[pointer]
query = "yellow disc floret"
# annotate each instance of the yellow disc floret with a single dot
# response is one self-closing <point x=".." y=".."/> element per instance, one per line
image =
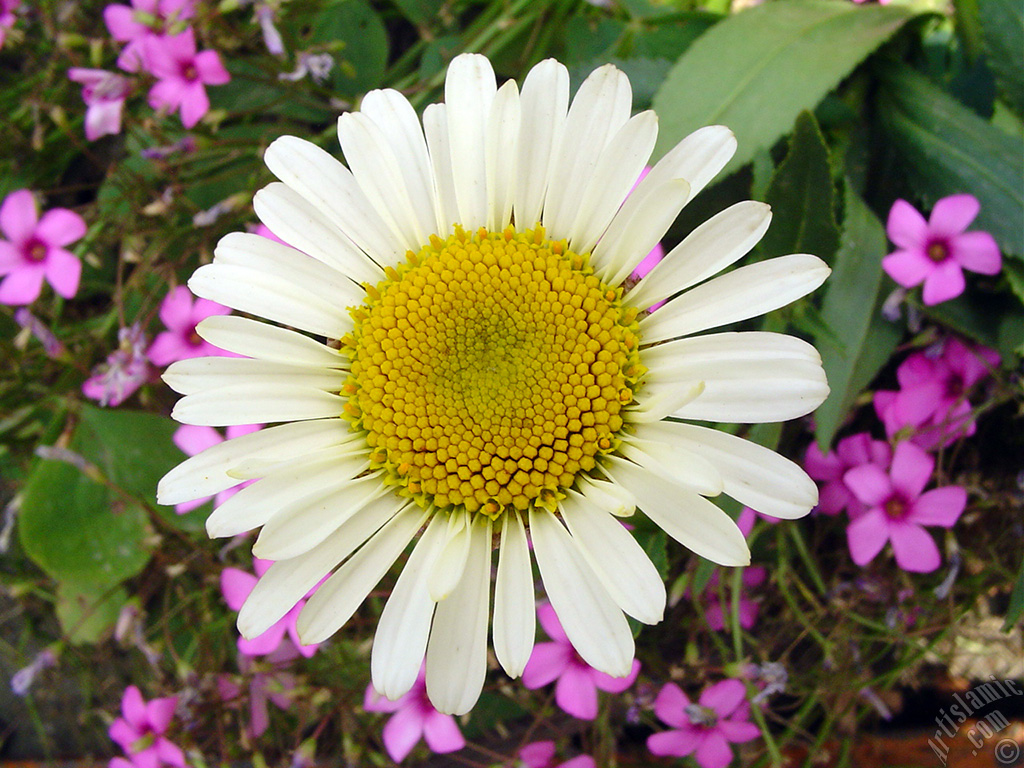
<point x="490" y="369"/>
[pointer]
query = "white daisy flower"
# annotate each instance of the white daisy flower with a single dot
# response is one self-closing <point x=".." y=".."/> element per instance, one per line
<point x="489" y="379"/>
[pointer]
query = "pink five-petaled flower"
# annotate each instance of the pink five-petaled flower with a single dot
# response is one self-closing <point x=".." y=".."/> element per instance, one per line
<point x="104" y="94"/>
<point x="143" y="20"/>
<point x="181" y="316"/>
<point x="34" y="249"/>
<point x="275" y="686"/>
<point x="193" y="439"/>
<point x="576" y="690"/>
<point x="541" y="754"/>
<point x="937" y="251"/>
<point x="932" y="400"/>
<point x="897" y="510"/>
<point x="830" y="468"/>
<point x="414" y="718"/>
<point x="182" y="75"/>
<point x="140" y="732"/>
<point x="706" y="728"/>
<point x="235" y="585"/>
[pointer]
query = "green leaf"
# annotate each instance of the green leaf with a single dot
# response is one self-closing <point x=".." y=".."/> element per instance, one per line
<point x="851" y="308"/>
<point x="355" y="35"/>
<point x="589" y="38"/>
<point x="990" y="319"/>
<point x="947" y="149"/>
<point x="1016" y="606"/>
<point x="1002" y="26"/>
<point x="87" y="613"/>
<point x="77" y="531"/>
<point x="757" y="70"/>
<point x="802" y="197"/>
<point x="655" y="544"/>
<point x="422" y="13"/>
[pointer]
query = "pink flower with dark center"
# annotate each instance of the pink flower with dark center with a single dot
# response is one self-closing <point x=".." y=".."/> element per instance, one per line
<point x="578" y="682"/>
<point x="34" y="249"/>
<point x="143" y="20"/>
<point x="932" y="400"/>
<point x="193" y="439"/>
<point x="235" y="585"/>
<point x="140" y="732"/>
<point x="705" y="729"/>
<point x="414" y="718"/>
<point x="275" y="686"/>
<point x="181" y="315"/>
<point x="182" y="75"/>
<point x="104" y="94"/>
<point x="125" y="370"/>
<point x="541" y="754"/>
<point x="829" y="468"/>
<point x="898" y="510"/>
<point x="935" y="252"/>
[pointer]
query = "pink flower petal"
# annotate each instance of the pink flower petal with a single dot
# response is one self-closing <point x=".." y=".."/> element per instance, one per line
<point x="442" y="733"/>
<point x="669" y="706"/>
<point x="942" y="506"/>
<point x="869" y="483"/>
<point x="168" y="347"/>
<point x="264" y="644"/>
<point x="906" y="227"/>
<point x="210" y="69"/>
<point x="911" y="469"/>
<point x="103" y="118"/>
<point x="714" y="751"/>
<point x="170" y="753"/>
<point x="615" y="684"/>
<point x="204" y="308"/>
<point x="133" y="708"/>
<point x="235" y="585"/>
<point x="194" y="104"/>
<point x="63" y="272"/>
<point x="549" y="621"/>
<point x="18" y="215"/>
<point x="724" y="697"/>
<point x="547" y="662"/>
<point x="176" y="309"/>
<point x="822" y="466"/>
<point x="538" y="754"/>
<point x="738" y="731"/>
<point x="952" y="215"/>
<point x="160" y="712"/>
<point x="908" y="268"/>
<point x="581" y="761"/>
<point x="402" y="732"/>
<point x="167" y="94"/>
<point x="10" y="257"/>
<point x="121" y="22"/>
<point x="60" y="227"/>
<point x="193" y="439"/>
<point x="833" y="498"/>
<point x="914" y="405"/>
<point x="944" y="283"/>
<point x="867" y="535"/>
<point x="22" y="286"/>
<point x="914" y="548"/>
<point x="123" y="734"/>
<point x="576" y="693"/>
<point x="673" y="743"/>
<point x="374" y="702"/>
<point x="977" y="251"/>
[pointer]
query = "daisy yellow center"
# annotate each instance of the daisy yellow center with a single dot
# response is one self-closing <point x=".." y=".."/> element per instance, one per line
<point x="489" y="370"/>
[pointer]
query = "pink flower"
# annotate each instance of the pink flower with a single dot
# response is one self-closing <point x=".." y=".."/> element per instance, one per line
<point x="414" y="718"/>
<point x="181" y="316"/>
<point x="125" y="370"/>
<point x="937" y="251"/>
<point x="182" y="75"/>
<point x="235" y="585"/>
<point x="541" y="754"/>
<point x="275" y="687"/>
<point x="104" y="94"/>
<point x="829" y="469"/>
<point x="7" y="17"/>
<point x="897" y="510"/>
<point x="34" y="249"/>
<point x="716" y="611"/>
<point x="140" y="732"/>
<point x="192" y="439"/>
<point x="143" y="20"/>
<point x="932" y="400"/>
<point x="704" y="729"/>
<point x="576" y="690"/>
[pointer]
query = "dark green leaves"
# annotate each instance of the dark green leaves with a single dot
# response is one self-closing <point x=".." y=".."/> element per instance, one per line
<point x="757" y="70"/>
<point x="1002" y="26"/>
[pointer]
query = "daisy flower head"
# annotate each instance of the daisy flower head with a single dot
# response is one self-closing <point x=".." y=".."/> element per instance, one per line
<point x="489" y="378"/>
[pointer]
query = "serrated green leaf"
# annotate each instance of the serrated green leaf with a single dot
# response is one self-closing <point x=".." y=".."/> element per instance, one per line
<point x="757" y="70"/>
<point x="850" y="306"/>
<point x="88" y="613"/>
<point x="1002" y="26"/>
<point x="947" y="150"/>
<point x="802" y="197"/>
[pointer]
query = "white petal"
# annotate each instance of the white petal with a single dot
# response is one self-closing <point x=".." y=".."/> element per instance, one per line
<point x="688" y="518"/>
<point x="469" y="90"/>
<point x="503" y="128"/>
<point x="545" y="99"/>
<point x="195" y="374"/>
<point x="292" y="484"/>
<point x="607" y="496"/>
<point x="206" y="473"/>
<point x="697" y="158"/>
<point x="619" y="561"/>
<point x="600" y="108"/>
<point x="655" y="406"/>
<point x="618" y="168"/>
<point x="738" y="295"/>
<point x="515" y="612"/>
<point x="435" y="128"/>
<point x="716" y="244"/>
<point x="263" y="341"/>
<point x="338" y="598"/>
<point x="299" y="526"/>
<point x="457" y="648"/>
<point x="256" y="404"/>
<point x="287" y="581"/>
<point x="691" y="357"/>
<point x="451" y="562"/>
<point x="752" y="474"/>
<point x="330" y="186"/>
<point x="401" y="638"/>
<point x="301" y="224"/>
<point x="687" y="468"/>
<point x="594" y="624"/>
